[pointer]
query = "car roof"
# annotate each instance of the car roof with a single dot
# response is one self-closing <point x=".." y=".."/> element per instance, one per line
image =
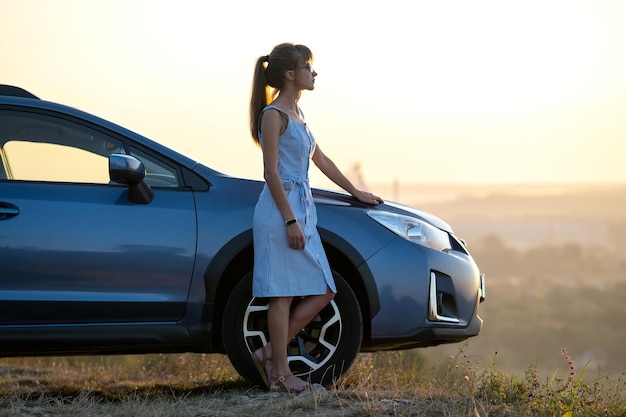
<point x="18" y="96"/>
<point x="10" y="90"/>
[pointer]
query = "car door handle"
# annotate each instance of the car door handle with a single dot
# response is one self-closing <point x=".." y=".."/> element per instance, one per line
<point x="8" y="210"/>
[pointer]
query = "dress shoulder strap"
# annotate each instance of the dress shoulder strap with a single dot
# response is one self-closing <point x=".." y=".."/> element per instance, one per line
<point x="284" y="116"/>
<point x="271" y="106"/>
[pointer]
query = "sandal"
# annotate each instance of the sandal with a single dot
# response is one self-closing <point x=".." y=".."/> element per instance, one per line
<point x="261" y="365"/>
<point x="278" y="383"/>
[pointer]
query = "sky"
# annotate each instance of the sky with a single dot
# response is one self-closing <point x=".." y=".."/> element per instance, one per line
<point x="408" y="91"/>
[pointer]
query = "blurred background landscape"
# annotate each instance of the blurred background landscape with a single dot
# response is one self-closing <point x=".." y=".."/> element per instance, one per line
<point x="554" y="256"/>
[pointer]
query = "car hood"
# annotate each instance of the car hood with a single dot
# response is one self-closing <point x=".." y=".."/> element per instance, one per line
<point x="344" y="199"/>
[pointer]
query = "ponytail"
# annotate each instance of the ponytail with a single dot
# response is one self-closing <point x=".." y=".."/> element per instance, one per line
<point x="258" y="97"/>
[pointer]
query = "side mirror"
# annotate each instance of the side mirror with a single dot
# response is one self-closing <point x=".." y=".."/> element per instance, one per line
<point x="128" y="170"/>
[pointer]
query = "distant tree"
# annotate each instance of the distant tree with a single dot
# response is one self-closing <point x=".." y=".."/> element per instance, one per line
<point x="495" y="257"/>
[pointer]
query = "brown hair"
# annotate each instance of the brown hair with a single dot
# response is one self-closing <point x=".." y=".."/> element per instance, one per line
<point x="284" y="57"/>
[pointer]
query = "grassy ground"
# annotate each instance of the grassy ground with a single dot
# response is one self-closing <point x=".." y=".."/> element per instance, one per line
<point x="394" y="384"/>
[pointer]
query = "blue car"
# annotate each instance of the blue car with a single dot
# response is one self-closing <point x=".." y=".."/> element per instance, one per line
<point x="111" y="243"/>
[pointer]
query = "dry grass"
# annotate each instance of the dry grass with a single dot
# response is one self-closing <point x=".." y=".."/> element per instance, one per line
<point x="393" y="384"/>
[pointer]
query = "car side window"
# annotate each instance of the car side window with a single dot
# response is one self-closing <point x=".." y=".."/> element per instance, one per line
<point x="37" y="147"/>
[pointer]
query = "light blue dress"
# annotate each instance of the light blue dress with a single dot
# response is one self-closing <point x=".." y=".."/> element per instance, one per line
<point x="278" y="269"/>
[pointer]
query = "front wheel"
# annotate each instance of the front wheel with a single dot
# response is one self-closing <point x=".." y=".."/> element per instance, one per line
<point x="320" y="353"/>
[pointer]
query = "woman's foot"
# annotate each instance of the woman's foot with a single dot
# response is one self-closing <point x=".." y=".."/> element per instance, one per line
<point x="263" y="362"/>
<point x="289" y="383"/>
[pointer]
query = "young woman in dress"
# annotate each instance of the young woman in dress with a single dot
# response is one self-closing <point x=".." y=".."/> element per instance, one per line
<point x="289" y="260"/>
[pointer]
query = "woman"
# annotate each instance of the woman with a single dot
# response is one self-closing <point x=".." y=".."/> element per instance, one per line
<point x="289" y="260"/>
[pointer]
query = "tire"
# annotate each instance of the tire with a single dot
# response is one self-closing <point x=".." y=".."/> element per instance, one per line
<point x="322" y="352"/>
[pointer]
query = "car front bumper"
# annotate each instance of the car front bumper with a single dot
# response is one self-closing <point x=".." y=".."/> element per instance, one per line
<point x="427" y="297"/>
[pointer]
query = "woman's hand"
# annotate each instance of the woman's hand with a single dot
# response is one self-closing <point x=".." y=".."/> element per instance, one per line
<point x="367" y="197"/>
<point x="296" y="236"/>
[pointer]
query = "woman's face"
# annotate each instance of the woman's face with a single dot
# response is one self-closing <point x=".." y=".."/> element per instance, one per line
<point x="305" y="76"/>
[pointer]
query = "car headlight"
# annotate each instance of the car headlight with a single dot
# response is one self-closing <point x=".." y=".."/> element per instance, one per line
<point x="412" y="229"/>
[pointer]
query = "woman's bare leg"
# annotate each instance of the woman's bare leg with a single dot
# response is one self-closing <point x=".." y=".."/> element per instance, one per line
<point x="306" y="310"/>
<point x="278" y="326"/>
<point x="283" y="325"/>
<point x="302" y="315"/>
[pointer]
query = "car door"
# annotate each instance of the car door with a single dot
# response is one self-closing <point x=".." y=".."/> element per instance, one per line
<point x="73" y="248"/>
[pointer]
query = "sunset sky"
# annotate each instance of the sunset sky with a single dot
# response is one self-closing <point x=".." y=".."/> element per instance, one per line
<point x="414" y="91"/>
